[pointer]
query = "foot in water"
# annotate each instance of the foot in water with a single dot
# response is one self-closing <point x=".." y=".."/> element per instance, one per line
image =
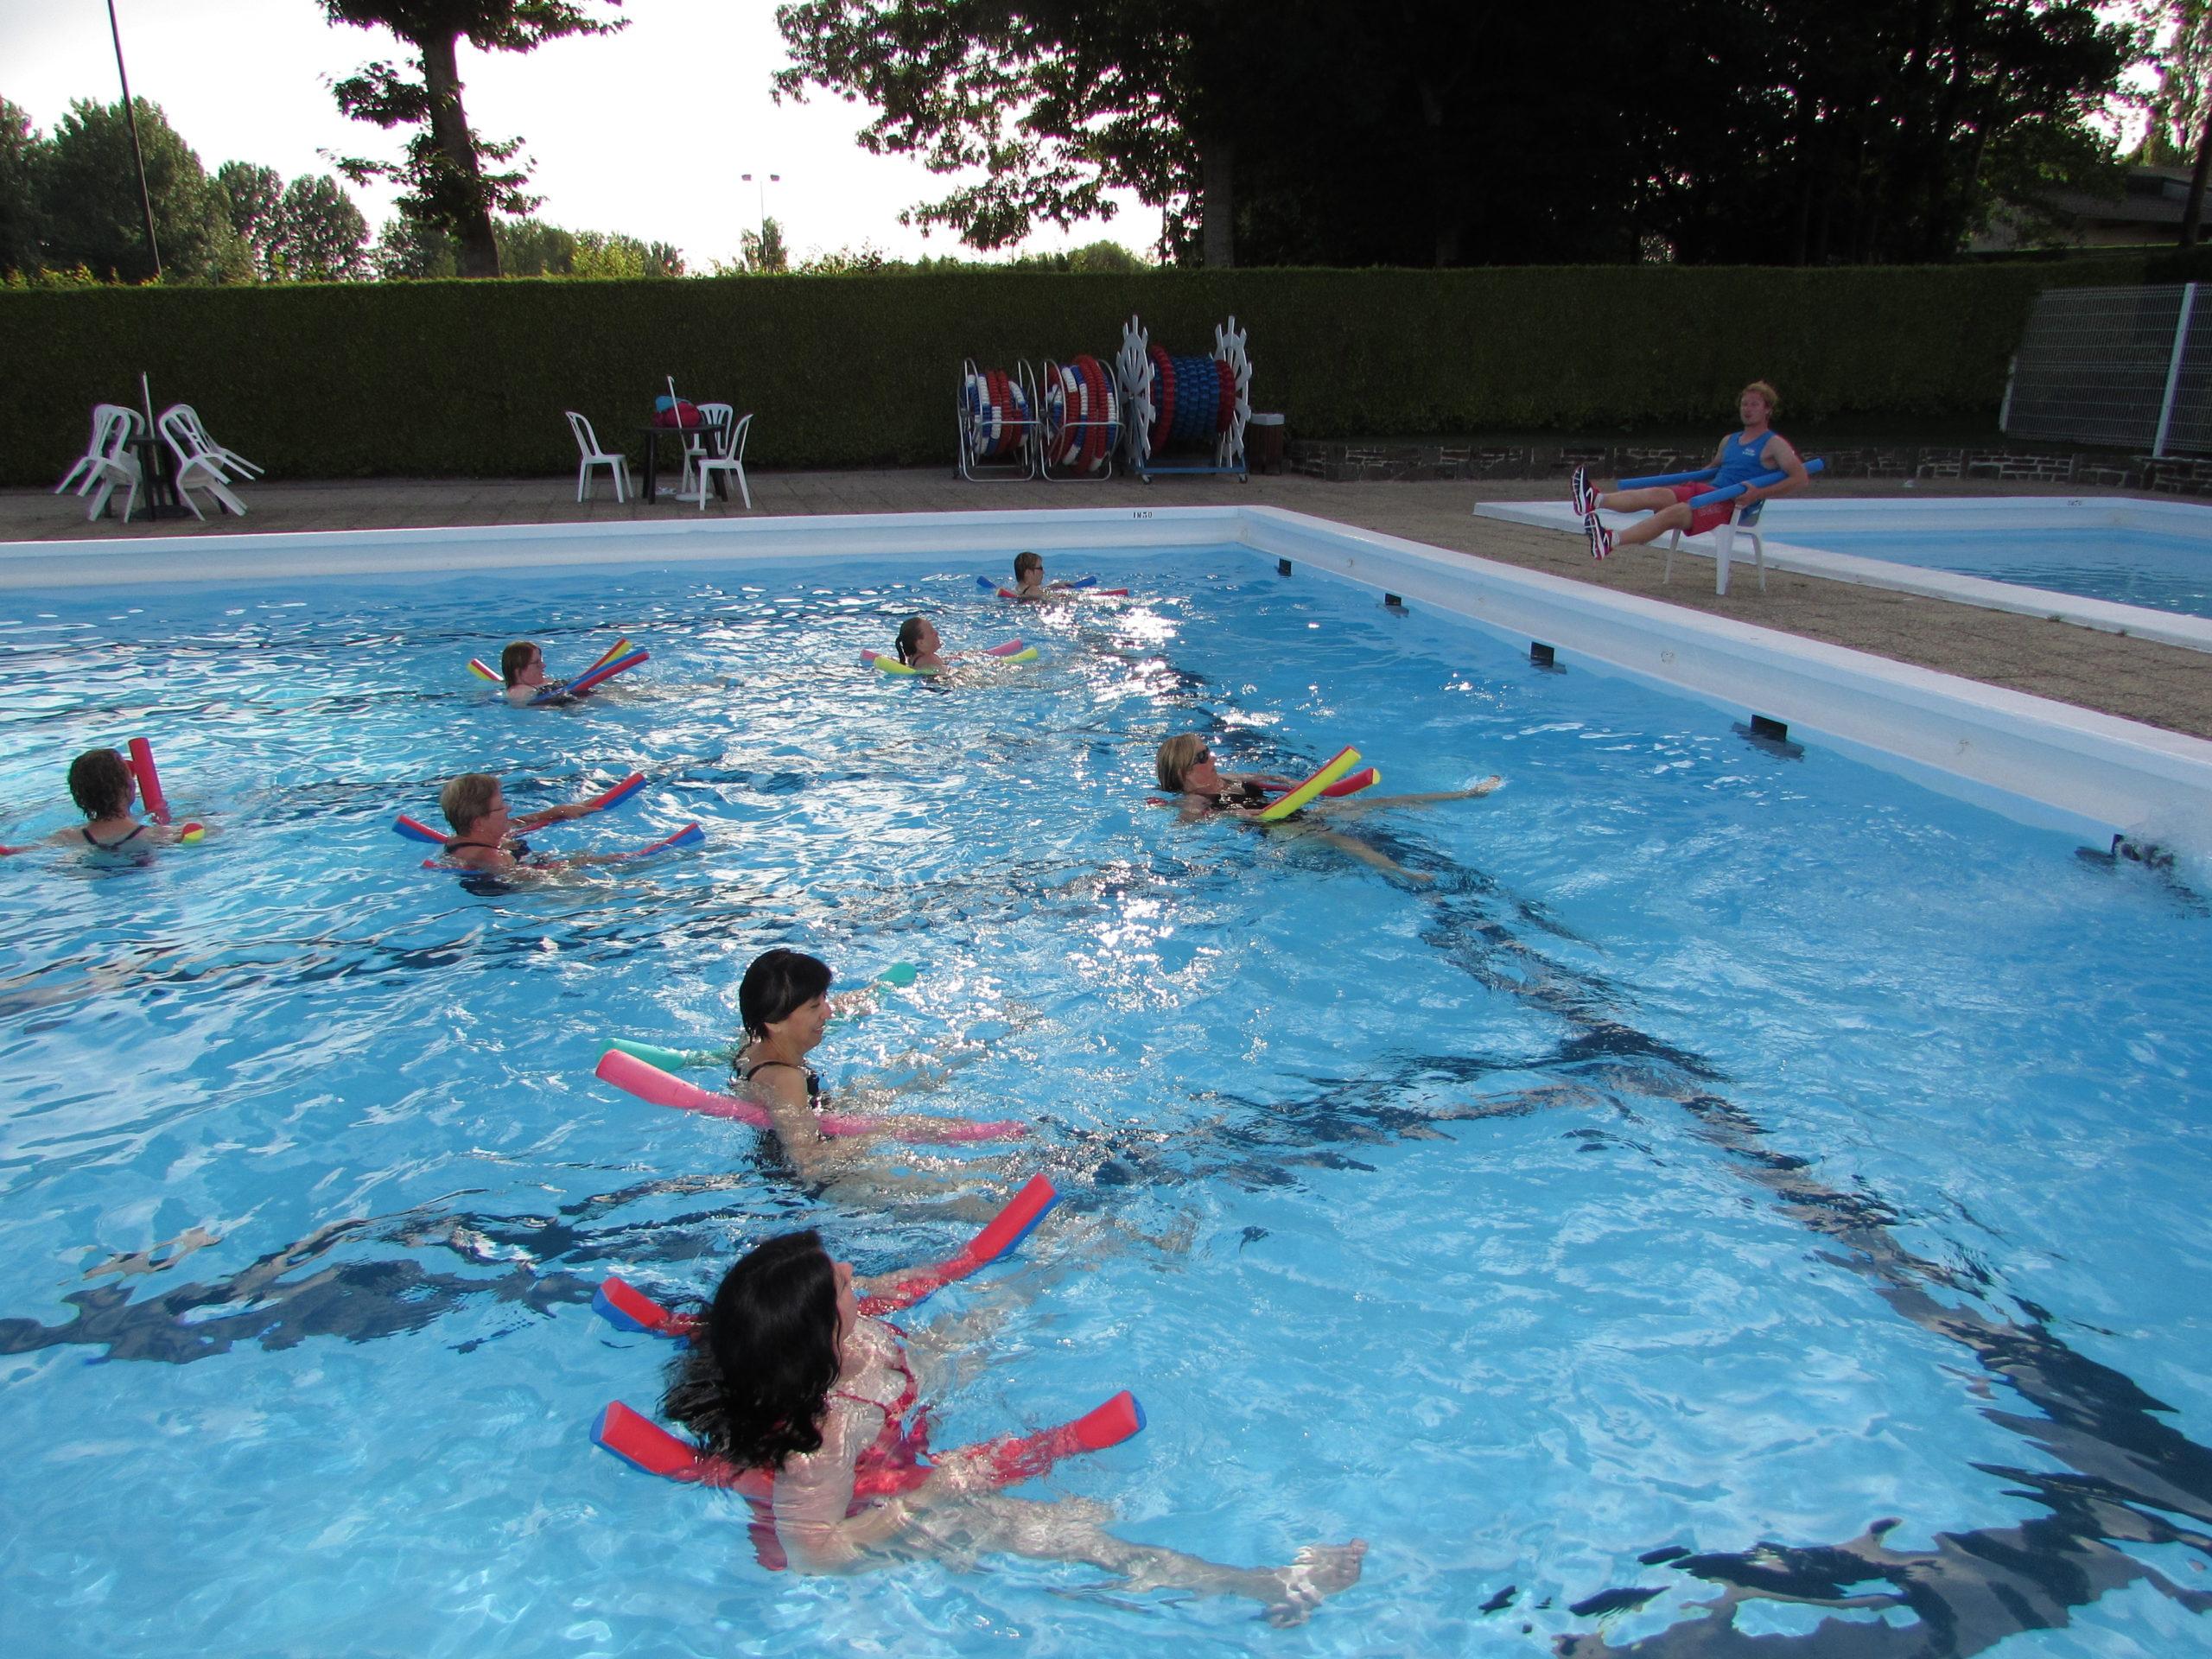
<point x="1318" y="1572"/>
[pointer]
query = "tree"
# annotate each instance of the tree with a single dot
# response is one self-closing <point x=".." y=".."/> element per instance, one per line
<point x="254" y="197"/>
<point x="91" y="207"/>
<point x="603" y="253"/>
<point x="1056" y="101"/>
<point x="1437" y="132"/>
<point x="2179" y="105"/>
<point x="530" y="247"/>
<point x="307" y="231"/>
<point x="409" y="251"/>
<point x="447" y="183"/>
<point x="2180" y="127"/>
<point x="324" y="237"/>
<point x="22" y="219"/>
<point x="763" y="250"/>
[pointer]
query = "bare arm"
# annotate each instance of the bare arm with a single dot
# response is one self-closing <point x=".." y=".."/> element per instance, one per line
<point x="1779" y="456"/>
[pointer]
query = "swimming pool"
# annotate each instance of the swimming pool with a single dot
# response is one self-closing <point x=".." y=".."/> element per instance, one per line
<point x="2113" y="563"/>
<point x="1724" y="1147"/>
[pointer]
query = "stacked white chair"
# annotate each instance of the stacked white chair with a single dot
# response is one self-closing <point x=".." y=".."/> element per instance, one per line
<point x="731" y="460"/>
<point x="115" y="464"/>
<point x="105" y="418"/>
<point x="198" y="466"/>
<point x="587" y="441"/>
<point x="228" y="458"/>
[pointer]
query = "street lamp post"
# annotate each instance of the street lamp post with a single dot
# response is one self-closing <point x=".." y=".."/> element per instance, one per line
<point x="130" y="114"/>
<point x="760" y="189"/>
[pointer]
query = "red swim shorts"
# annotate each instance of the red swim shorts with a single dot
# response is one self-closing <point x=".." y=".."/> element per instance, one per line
<point x="1704" y="518"/>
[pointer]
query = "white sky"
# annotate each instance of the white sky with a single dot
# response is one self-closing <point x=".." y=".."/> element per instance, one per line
<point x="243" y="81"/>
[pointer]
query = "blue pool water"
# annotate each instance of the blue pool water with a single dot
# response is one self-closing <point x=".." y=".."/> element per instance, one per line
<point x="1727" y="1149"/>
<point x="2163" y="570"/>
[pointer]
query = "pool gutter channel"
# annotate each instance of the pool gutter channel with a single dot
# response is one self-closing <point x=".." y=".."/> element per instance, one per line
<point x="2028" y="758"/>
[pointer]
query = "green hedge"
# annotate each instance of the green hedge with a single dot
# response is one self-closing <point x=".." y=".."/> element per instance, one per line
<point x="470" y="379"/>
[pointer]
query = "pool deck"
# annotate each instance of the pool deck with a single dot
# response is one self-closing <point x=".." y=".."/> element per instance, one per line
<point x="2161" y="685"/>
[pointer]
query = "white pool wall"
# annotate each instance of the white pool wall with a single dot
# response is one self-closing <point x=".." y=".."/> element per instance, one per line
<point x="2039" y="761"/>
<point x="1909" y="517"/>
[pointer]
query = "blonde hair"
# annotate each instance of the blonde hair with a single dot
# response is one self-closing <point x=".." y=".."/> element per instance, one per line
<point x="1765" y="389"/>
<point x="1176" y="758"/>
<point x="467" y="798"/>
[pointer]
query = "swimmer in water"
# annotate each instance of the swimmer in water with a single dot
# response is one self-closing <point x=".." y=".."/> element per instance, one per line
<point x="487" y="840"/>
<point x="1029" y="581"/>
<point x="522" y="666"/>
<point x="919" y="646"/>
<point x="105" y="790"/>
<point x="784" y="1001"/>
<point x="1185" y="767"/>
<point x="921" y="650"/>
<point x="788" y="1377"/>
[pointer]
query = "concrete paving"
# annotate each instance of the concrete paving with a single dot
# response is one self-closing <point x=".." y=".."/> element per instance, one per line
<point x="2159" y="684"/>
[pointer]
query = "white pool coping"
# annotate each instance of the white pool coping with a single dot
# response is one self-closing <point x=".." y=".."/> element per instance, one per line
<point x="2046" y="763"/>
<point x="1994" y="513"/>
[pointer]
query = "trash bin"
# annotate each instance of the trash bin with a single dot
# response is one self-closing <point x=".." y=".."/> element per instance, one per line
<point x="1263" y="443"/>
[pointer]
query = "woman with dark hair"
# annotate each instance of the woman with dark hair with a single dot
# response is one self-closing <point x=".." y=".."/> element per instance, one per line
<point x="785" y="1004"/>
<point x="105" y="789"/>
<point x="522" y="671"/>
<point x="919" y="647"/>
<point x="921" y="650"/>
<point x="788" y="1377"/>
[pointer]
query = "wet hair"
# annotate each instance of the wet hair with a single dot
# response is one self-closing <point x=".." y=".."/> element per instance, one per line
<point x="1176" y="758"/>
<point x="754" y="1385"/>
<point x="515" y="659"/>
<point x="1765" y="389"/>
<point x="777" y="983"/>
<point x="1023" y="564"/>
<point x="910" y="632"/>
<point x="99" y="781"/>
<point x="467" y="798"/>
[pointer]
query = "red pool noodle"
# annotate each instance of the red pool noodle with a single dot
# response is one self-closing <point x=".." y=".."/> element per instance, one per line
<point x="149" y="780"/>
<point x="656" y="1087"/>
<point x="637" y="1439"/>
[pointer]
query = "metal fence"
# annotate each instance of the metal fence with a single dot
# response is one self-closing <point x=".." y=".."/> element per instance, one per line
<point x="2129" y="367"/>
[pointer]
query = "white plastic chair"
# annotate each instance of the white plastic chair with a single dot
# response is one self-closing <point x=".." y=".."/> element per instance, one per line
<point x="732" y="461"/>
<point x="197" y="467"/>
<point x="225" y="457"/>
<point x="587" y="443"/>
<point x="711" y="435"/>
<point x="105" y="417"/>
<point x="114" y="465"/>
<point x="1745" y="519"/>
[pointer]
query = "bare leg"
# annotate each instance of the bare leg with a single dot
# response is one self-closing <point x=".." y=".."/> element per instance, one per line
<point x="1362" y="803"/>
<point x="1675" y="516"/>
<point x="1372" y="856"/>
<point x="1070" y="1531"/>
<point x="1650" y="500"/>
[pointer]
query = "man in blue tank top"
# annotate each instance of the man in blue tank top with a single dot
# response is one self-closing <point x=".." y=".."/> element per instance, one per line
<point x="1757" y="449"/>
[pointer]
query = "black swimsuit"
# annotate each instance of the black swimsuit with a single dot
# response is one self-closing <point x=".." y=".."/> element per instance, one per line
<point x="136" y="831"/>
<point x="813" y="1083"/>
<point x="515" y="845"/>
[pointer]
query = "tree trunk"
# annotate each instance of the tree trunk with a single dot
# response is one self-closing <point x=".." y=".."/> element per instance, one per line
<point x="461" y="203"/>
<point x="1217" y="203"/>
<point x="2192" y="216"/>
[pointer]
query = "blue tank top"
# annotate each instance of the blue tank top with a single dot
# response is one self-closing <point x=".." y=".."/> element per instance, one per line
<point x="1740" y="461"/>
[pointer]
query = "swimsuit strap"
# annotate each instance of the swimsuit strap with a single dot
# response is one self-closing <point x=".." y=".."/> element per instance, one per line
<point x="136" y="831"/>
<point x="813" y="1083"/>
